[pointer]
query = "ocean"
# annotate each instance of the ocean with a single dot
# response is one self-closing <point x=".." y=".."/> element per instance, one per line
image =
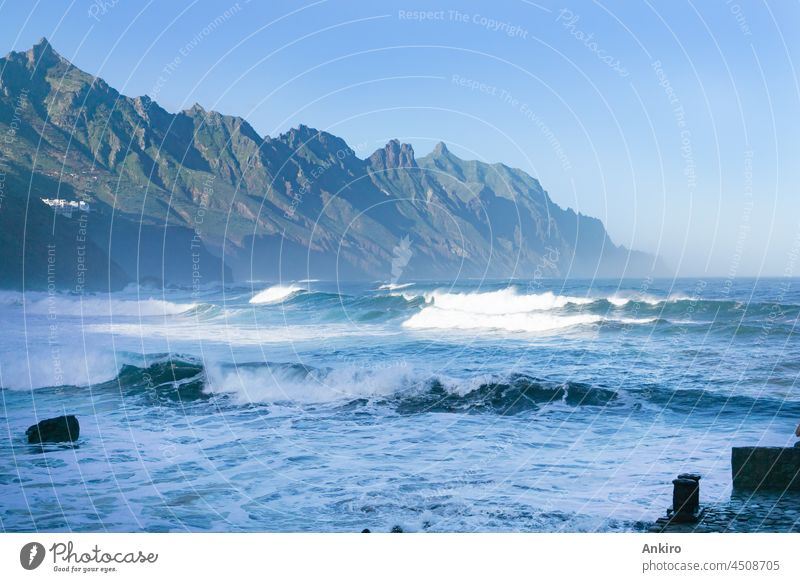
<point x="474" y="406"/>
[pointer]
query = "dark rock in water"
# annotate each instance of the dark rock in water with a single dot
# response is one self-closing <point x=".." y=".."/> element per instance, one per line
<point x="61" y="429"/>
<point x="365" y="530"/>
<point x="168" y="379"/>
<point x="396" y="529"/>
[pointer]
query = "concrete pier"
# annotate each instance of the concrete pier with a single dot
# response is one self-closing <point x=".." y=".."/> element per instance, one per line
<point x="765" y="496"/>
<point x="766" y="468"/>
<point x="743" y="513"/>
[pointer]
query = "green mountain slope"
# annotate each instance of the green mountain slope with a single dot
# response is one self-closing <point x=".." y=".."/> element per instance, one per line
<point x="196" y="196"/>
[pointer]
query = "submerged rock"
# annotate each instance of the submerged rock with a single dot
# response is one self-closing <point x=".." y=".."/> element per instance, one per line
<point x="396" y="529"/>
<point x="61" y="429"/>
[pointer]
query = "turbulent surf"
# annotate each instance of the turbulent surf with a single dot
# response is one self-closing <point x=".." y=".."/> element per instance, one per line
<point x="313" y="405"/>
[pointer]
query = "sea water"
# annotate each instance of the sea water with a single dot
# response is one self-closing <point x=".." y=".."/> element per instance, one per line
<point x="327" y="406"/>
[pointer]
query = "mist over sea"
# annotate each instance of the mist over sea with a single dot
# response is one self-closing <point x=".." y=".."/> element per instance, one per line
<point x="326" y="406"/>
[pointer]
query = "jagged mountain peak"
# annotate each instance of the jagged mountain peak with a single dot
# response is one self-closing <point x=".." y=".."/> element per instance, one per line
<point x="301" y="132"/>
<point x="305" y="183"/>
<point x="323" y="143"/>
<point x="42" y="45"/>
<point x="39" y="57"/>
<point x="144" y="103"/>
<point x="42" y="55"/>
<point x="41" y="49"/>
<point x="440" y="150"/>
<point x="42" y="69"/>
<point x="306" y="133"/>
<point x="394" y="155"/>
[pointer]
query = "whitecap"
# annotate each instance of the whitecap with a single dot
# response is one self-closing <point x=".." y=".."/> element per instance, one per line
<point x="276" y="294"/>
<point x="299" y="384"/>
<point x="93" y="306"/>
<point x="436" y="318"/>
<point x="503" y="301"/>
<point x="394" y="286"/>
<point x="504" y="309"/>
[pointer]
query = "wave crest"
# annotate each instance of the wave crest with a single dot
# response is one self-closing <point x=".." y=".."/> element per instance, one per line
<point x="504" y="309"/>
<point x="513" y="395"/>
<point x="503" y="302"/>
<point x="394" y="286"/>
<point x="98" y="305"/>
<point x="276" y="294"/>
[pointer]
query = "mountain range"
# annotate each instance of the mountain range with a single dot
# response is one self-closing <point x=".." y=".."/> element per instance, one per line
<point x="196" y="196"/>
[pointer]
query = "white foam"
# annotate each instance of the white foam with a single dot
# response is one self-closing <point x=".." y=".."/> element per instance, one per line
<point x="618" y="301"/>
<point x="61" y="365"/>
<point x="394" y="286"/>
<point x="675" y="297"/>
<point x="502" y="302"/>
<point x="633" y="320"/>
<point x="295" y="385"/>
<point x="95" y="305"/>
<point x="622" y="300"/>
<point x="11" y="298"/>
<point x="436" y="318"/>
<point x="504" y="309"/>
<point x="285" y="384"/>
<point x="406" y="296"/>
<point x="193" y="332"/>
<point x="649" y="299"/>
<point x="276" y="294"/>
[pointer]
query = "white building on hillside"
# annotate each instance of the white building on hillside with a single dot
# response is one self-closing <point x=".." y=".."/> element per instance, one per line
<point x="66" y="207"/>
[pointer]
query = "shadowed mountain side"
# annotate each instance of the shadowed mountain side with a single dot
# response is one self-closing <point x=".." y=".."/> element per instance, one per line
<point x="174" y="196"/>
<point x="41" y="249"/>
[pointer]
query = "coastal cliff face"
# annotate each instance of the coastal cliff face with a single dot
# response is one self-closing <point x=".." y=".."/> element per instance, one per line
<point x="197" y="196"/>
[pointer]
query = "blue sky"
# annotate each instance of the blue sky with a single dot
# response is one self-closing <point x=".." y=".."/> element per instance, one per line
<point x="676" y="123"/>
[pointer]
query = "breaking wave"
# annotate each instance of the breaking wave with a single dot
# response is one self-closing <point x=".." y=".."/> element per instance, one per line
<point x="507" y="310"/>
<point x="409" y="391"/>
<point x="276" y="294"/>
<point x="503" y="302"/>
<point x="59" y="304"/>
<point x="394" y="286"/>
<point x="44" y="366"/>
<point x="436" y="318"/>
<point x="184" y="379"/>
